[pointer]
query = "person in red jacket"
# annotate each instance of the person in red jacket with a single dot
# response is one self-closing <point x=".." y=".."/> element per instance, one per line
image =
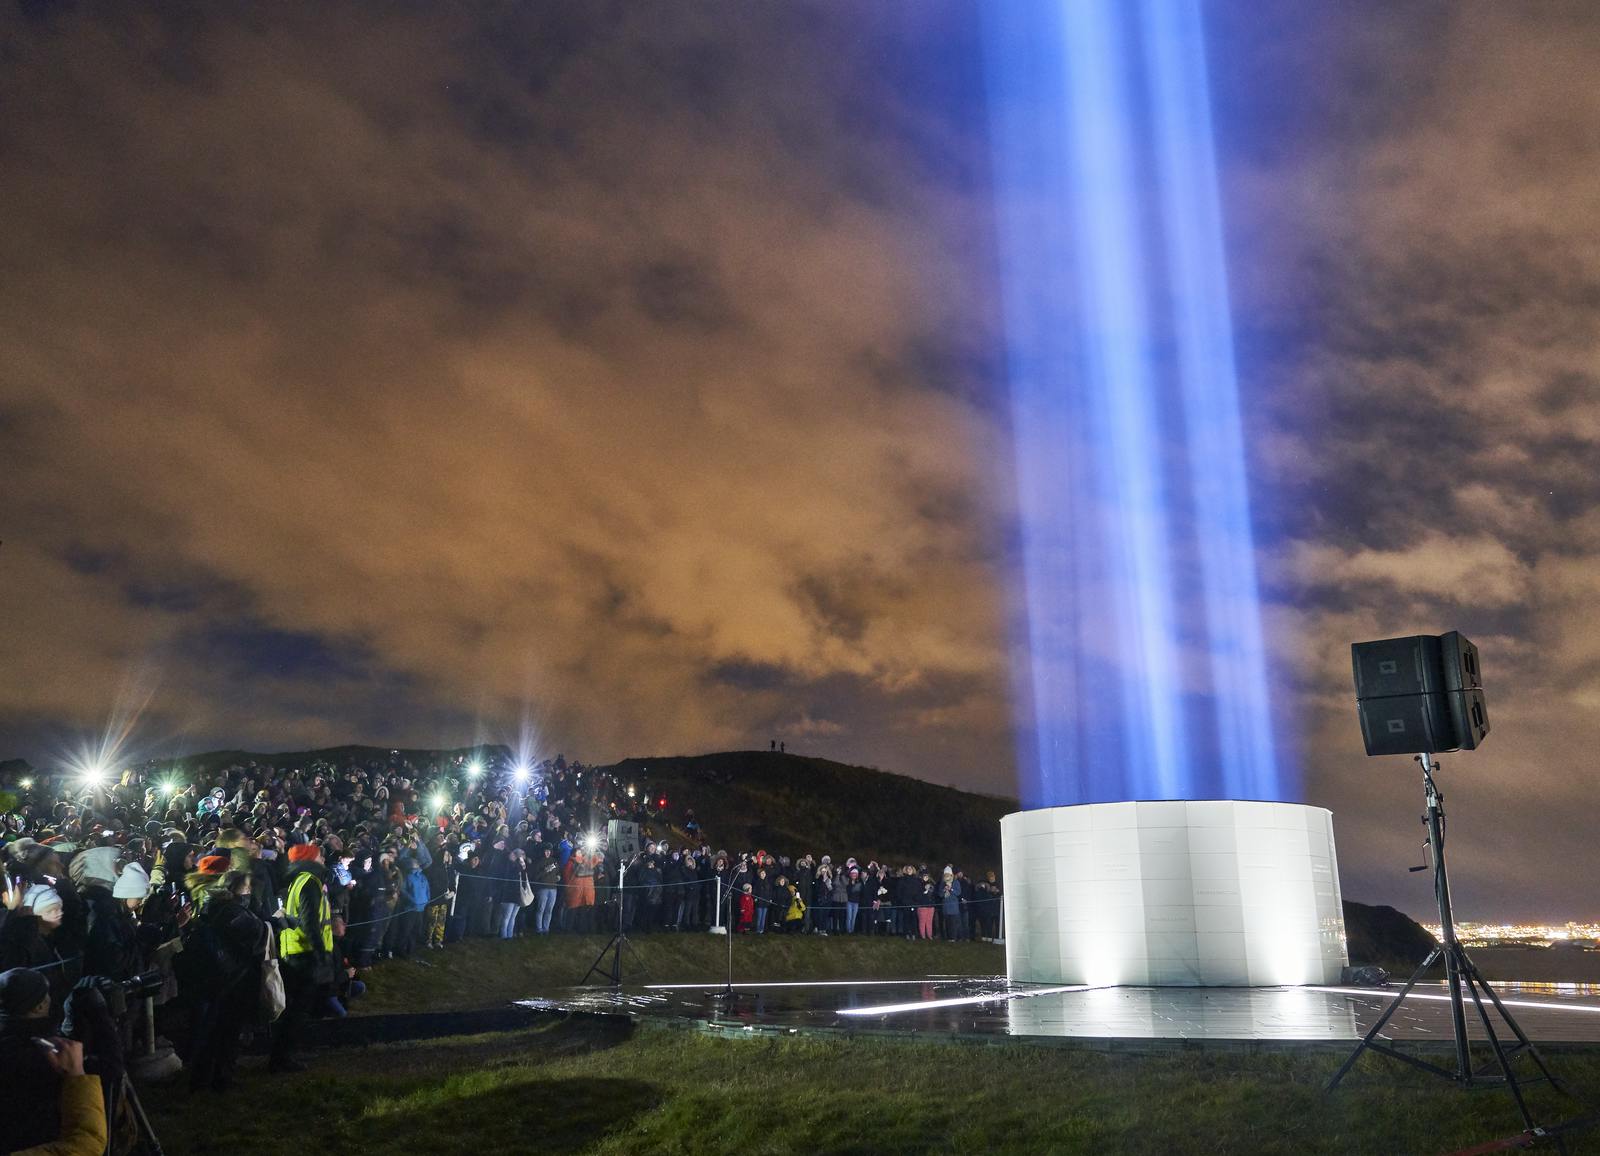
<point x="747" y="909"/>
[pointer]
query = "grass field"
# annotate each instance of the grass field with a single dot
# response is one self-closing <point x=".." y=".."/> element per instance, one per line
<point x="582" y="1085"/>
<point x="589" y="1085"/>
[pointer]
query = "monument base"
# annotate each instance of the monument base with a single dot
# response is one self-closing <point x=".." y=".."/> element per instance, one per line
<point x="1173" y="894"/>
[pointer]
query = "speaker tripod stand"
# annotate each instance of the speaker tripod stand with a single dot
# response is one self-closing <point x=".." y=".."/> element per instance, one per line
<point x="1464" y="981"/>
<point x="619" y="940"/>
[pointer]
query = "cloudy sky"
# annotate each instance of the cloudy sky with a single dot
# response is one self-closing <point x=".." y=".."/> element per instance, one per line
<point x="396" y="373"/>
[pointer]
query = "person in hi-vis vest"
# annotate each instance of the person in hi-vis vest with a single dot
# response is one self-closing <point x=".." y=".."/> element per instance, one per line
<point x="305" y="950"/>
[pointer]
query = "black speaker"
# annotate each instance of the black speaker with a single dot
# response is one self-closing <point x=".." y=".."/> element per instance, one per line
<point x="1396" y="666"/>
<point x="1414" y="724"/>
<point x="1419" y="694"/>
<point x="1460" y="660"/>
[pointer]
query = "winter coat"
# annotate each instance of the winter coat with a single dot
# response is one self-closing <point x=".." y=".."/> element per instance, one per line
<point x="415" y="891"/>
<point x="111" y="948"/>
<point x="952" y="897"/>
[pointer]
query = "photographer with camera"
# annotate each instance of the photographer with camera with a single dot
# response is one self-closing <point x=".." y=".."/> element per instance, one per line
<point x="52" y="1106"/>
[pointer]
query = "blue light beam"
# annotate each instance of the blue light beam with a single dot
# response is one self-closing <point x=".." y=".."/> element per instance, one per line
<point x="1140" y="665"/>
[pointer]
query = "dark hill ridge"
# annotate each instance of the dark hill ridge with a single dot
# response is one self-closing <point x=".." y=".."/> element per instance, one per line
<point x="790" y="804"/>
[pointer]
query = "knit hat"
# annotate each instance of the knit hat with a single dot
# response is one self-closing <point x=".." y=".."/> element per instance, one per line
<point x="133" y="883"/>
<point x="21" y="990"/>
<point x="304" y="852"/>
<point x="43" y="900"/>
<point x="213" y="864"/>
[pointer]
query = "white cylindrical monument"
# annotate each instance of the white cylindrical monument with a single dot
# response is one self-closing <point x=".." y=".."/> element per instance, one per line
<point x="1173" y="894"/>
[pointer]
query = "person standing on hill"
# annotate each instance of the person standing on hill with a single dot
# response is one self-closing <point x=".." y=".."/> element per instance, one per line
<point x="546" y="883"/>
<point x="950" y="899"/>
<point x="926" y="900"/>
<point x="762" y="890"/>
<point x="305" y="948"/>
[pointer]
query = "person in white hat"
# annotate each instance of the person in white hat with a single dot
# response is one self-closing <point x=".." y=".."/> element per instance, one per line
<point x="133" y="885"/>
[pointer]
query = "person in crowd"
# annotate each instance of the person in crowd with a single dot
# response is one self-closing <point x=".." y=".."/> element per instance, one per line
<point x="926" y="901"/>
<point x="795" y="914"/>
<point x="838" y="897"/>
<point x="950" y="904"/>
<point x="582" y="893"/>
<point x="31" y="938"/>
<point x="747" y="908"/>
<point x="415" y="894"/>
<point x="52" y="1107"/>
<point x="220" y="969"/>
<point x="546" y="886"/>
<point x="763" y="890"/>
<point x="305" y="947"/>
<point x="506" y="868"/>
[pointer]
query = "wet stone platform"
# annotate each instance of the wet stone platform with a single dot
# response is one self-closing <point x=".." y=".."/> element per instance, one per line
<point x="990" y="1006"/>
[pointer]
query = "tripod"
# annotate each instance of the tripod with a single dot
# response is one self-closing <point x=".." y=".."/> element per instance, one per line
<point x="119" y="1095"/>
<point x="1463" y="979"/>
<point x="619" y="940"/>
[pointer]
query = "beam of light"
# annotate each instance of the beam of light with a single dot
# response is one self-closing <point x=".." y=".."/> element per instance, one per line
<point x="1198" y="287"/>
<point x="474" y="769"/>
<point x="1139" y="659"/>
<point x="1379" y="993"/>
<point x="888" y="1009"/>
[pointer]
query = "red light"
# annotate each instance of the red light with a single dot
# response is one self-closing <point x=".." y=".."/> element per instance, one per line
<point x="663" y="803"/>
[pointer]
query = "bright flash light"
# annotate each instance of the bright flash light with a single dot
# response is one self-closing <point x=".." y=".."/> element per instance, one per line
<point x="591" y="841"/>
<point x="521" y="773"/>
<point x="168" y="787"/>
<point x="631" y="791"/>
<point x="475" y="770"/>
<point x="94" y="777"/>
<point x="26" y="784"/>
<point x="440" y="802"/>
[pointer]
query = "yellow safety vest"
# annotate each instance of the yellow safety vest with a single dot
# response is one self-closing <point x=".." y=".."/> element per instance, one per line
<point x="293" y="940"/>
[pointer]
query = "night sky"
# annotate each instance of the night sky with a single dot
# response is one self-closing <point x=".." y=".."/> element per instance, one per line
<point x="399" y="373"/>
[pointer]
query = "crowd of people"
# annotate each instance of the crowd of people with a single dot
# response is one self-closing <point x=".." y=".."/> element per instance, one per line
<point x="247" y="901"/>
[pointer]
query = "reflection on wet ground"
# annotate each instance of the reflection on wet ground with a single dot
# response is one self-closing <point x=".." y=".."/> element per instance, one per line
<point x="991" y="1006"/>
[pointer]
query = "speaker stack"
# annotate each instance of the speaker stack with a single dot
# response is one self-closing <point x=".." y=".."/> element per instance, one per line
<point x="1420" y="694"/>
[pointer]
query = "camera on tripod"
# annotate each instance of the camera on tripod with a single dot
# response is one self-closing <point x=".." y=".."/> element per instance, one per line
<point x="118" y="993"/>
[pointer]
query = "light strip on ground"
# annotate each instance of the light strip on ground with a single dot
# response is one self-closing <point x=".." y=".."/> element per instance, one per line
<point x="963" y="1001"/>
<point x="820" y="982"/>
<point x="1539" y="1005"/>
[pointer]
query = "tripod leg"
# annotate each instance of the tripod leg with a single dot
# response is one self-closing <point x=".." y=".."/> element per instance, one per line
<point x="1494" y="1044"/>
<point x="1394" y="1006"/>
<point x="1516" y="1028"/>
<point x="595" y="966"/>
<point x="131" y="1098"/>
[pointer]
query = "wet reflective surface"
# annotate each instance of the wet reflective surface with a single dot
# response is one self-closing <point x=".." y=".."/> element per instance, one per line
<point x="1548" y="1013"/>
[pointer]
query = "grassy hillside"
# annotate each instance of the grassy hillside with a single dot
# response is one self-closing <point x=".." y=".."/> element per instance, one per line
<point x="789" y="804"/>
<point x="483" y="973"/>
<point x="582" y="1085"/>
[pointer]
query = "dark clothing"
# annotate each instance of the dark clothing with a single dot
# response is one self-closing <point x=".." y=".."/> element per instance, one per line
<point x="231" y="941"/>
<point x="32" y="1086"/>
<point x="111" y="947"/>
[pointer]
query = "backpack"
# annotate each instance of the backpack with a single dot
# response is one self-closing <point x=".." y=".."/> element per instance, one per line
<point x="205" y="964"/>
